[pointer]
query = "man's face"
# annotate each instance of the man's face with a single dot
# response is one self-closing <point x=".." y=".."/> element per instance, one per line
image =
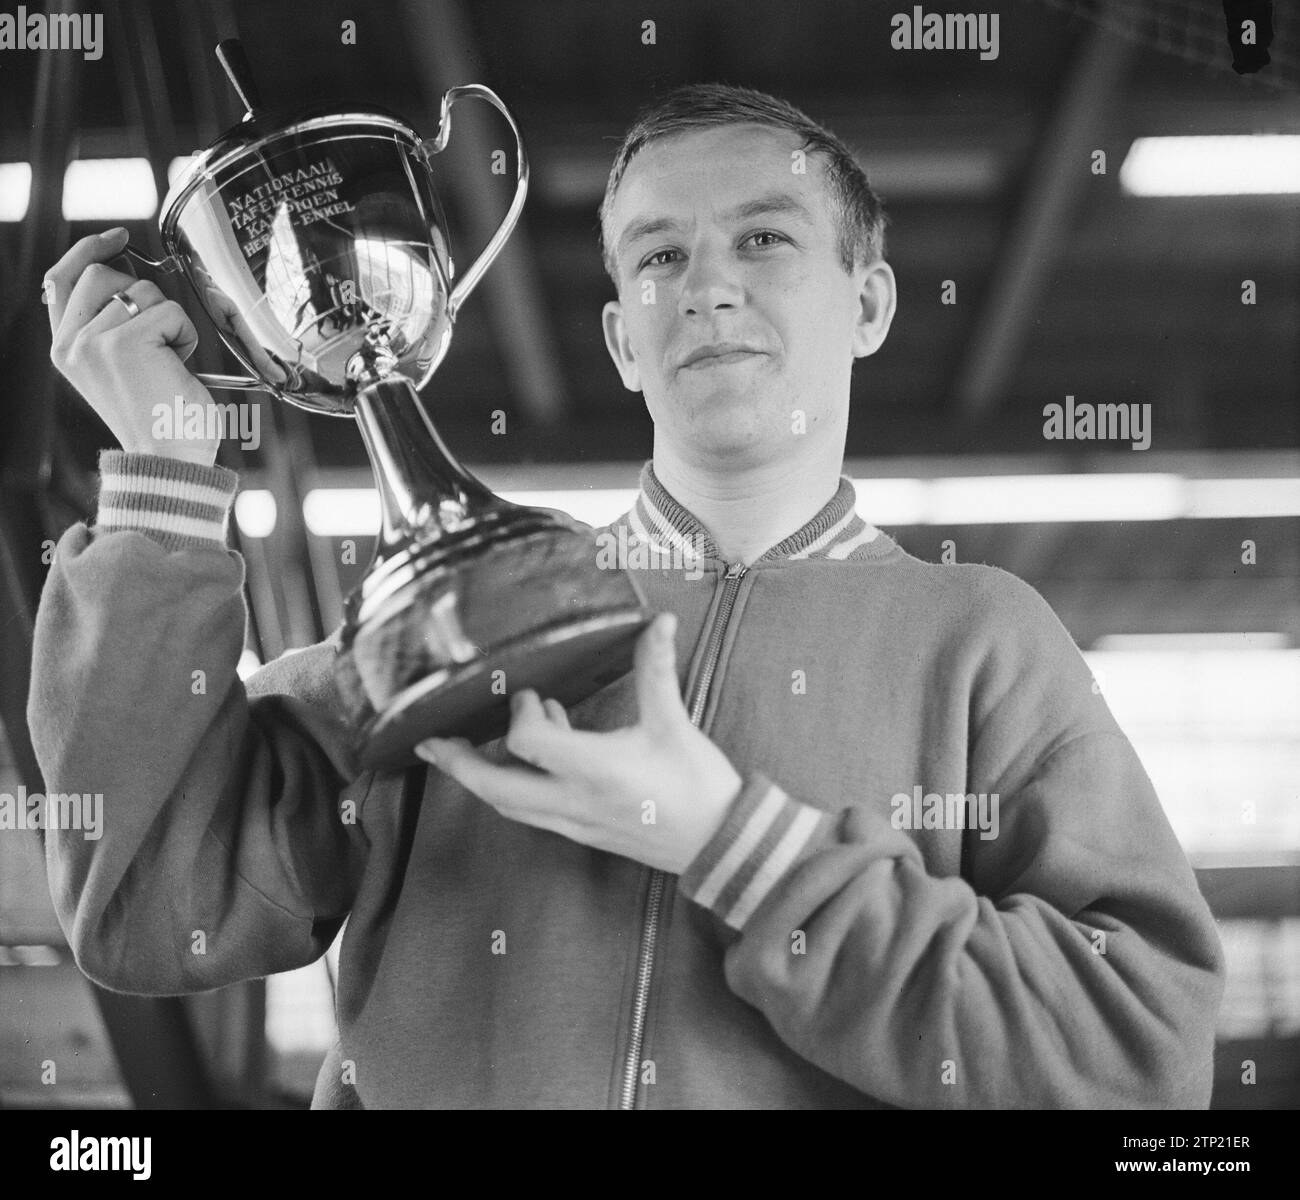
<point x="735" y="315"/>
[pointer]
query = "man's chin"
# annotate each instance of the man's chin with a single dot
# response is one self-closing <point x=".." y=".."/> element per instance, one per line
<point x="720" y="406"/>
<point x="724" y="444"/>
<point x="731" y="424"/>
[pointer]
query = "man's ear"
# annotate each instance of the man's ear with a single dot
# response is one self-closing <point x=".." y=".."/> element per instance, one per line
<point x="877" y="299"/>
<point x="620" y="349"/>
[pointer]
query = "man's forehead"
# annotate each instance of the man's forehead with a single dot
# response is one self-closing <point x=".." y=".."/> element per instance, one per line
<point x="740" y="133"/>
<point x="714" y="153"/>
<point x="733" y="168"/>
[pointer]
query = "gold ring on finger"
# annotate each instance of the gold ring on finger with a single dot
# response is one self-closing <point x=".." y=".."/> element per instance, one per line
<point x="132" y="308"/>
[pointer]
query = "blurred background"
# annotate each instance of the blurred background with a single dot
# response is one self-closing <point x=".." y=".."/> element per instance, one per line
<point x="1169" y="277"/>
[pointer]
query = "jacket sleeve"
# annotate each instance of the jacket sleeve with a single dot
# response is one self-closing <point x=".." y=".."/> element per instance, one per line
<point x="1073" y="963"/>
<point x="230" y="843"/>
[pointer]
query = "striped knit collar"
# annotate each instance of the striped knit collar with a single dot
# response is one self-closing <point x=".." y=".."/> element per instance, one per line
<point x="836" y="532"/>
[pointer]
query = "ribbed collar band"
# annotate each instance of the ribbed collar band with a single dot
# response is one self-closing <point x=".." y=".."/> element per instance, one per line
<point x="835" y="531"/>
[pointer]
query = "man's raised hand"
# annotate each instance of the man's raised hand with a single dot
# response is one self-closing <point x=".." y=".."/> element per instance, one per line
<point x="124" y="365"/>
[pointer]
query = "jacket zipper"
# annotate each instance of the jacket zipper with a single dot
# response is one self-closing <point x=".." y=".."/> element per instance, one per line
<point x="654" y="900"/>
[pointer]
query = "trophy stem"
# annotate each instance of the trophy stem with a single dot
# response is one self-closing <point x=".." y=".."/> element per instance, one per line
<point x="422" y="488"/>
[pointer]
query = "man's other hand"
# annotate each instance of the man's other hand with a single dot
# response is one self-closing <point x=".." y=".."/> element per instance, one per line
<point x="655" y="792"/>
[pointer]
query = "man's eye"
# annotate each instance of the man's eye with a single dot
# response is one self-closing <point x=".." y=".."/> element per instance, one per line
<point x="657" y="259"/>
<point x="776" y="238"/>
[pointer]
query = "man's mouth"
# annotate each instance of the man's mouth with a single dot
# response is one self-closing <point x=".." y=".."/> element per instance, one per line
<point x="719" y="355"/>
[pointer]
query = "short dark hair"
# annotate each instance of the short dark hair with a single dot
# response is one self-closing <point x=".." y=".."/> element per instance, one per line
<point x="855" y="207"/>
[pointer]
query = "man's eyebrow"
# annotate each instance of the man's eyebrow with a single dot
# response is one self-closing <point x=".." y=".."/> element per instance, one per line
<point x="645" y="227"/>
<point x="780" y="204"/>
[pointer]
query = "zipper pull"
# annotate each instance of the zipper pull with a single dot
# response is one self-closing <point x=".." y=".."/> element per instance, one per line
<point x="735" y="570"/>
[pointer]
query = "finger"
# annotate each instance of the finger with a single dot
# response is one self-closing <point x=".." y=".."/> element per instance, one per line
<point x="167" y="324"/>
<point x="90" y="295"/>
<point x="555" y="712"/>
<point x="124" y="263"/>
<point x="525" y="738"/>
<point x="431" y="749"/>
<point x="61" y="278"/>
<point x="549" y="746"/>
<point x="658" y="693"/>
<point x="510" y="790"/>
<point x="143" y="294"/>
<point x="171" y="327"/>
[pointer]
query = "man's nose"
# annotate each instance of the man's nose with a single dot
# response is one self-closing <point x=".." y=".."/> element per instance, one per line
<point x="712" y="281"/>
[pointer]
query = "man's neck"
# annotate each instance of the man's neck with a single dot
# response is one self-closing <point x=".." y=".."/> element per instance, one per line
<point x="749" y="510"/>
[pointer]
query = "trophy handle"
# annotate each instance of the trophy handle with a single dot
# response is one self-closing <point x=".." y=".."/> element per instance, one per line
<point x="437" y="144"/>
<point x="168" y="265"/>
<point x="233" y="383"/>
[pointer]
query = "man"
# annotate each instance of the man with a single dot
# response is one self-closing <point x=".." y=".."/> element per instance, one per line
<point x="875" y="841"/>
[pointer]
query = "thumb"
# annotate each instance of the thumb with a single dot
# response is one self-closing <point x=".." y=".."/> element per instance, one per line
<point x="657" y="692"/>
<point x="168" y="324"/>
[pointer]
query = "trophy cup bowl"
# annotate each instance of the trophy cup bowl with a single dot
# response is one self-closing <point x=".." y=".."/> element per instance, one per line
<point x="319" y="249"/>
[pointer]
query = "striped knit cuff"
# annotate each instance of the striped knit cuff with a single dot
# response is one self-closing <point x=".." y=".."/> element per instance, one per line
<point x="764" y="835"/>
<point x="181" y="505"/>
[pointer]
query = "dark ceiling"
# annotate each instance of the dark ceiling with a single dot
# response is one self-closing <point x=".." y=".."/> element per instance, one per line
<point x="1107" y="297"/>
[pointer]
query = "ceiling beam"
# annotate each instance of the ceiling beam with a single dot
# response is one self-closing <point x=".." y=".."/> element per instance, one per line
<point x="1054" y="186"/>
<point x="516" y="305"/>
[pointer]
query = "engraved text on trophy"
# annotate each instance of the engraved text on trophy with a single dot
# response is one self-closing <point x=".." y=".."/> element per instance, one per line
<point x="308" y="194"/>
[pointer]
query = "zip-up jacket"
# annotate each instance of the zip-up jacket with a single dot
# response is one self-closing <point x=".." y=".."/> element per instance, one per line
<point x="946" y="880"/>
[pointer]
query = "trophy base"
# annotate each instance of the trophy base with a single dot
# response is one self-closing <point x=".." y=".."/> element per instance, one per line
<point x="567" y="662"/>
<point x="439" y="637"/>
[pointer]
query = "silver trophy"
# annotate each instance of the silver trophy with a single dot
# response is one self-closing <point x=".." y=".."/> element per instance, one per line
<point x="319" y="249"/>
